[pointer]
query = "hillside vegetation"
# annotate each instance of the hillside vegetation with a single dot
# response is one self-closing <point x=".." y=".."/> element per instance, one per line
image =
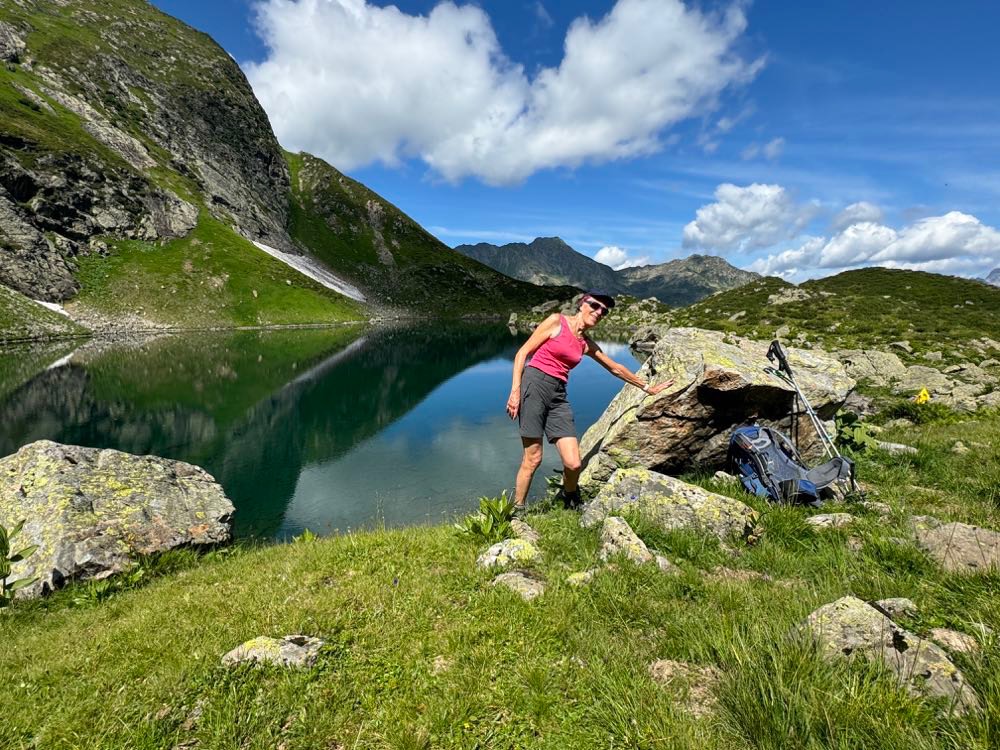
<point x="24" y="319"/>
<point x="871" y="307"/>
<point x="421" y="652"/>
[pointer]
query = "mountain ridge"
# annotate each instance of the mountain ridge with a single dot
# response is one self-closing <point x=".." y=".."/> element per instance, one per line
<point x="546" y="260"/>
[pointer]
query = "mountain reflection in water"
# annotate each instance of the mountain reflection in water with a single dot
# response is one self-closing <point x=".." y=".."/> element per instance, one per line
<point x="322" y="429"/>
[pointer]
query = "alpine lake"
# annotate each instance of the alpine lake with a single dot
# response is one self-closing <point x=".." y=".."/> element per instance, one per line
<point x="326" y="429"/>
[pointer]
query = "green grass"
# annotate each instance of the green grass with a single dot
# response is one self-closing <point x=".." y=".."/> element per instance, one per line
<point x="208" y="278"/>
<point x="568" y="670"/>
<point x="21" y="319"/>
<point x="867" y="308"/>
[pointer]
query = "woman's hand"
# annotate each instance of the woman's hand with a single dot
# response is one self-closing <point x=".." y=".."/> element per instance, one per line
<point x="513" y="404"/>
<point x="652" y="390"/>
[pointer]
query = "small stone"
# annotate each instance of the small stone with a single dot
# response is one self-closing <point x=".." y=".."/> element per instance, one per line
<point x="290" y="651"/>
<point x="883" y="509"/>
<point x="961" y="548"/>
<point x="726" y="477"/>
<point x="952" y="640"/>
<point x="517" y="581"/>
<point x="524" y="531"/>
<point x="508" y="552"/>
<point x="904" y="345"/>
<point x="582" y="578"/>
<point x="666" y="566"/>
<point x="721" y="573"/>
<point x="855" y="544"/>
<point x="933" y="356"/>
<point x="959" y="448"/>
<point x="698" y="682"/>
<point x="895" y="448"/>
<point x="896" y="608"/>
<point x="830" y="520"/>
<point x="440" y="665"/>
<point x="617" y="538"/>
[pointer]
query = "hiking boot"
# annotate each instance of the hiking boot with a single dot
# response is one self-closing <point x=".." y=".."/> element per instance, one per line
<point x="571" y="499"/>
<point x="520" y="511"/>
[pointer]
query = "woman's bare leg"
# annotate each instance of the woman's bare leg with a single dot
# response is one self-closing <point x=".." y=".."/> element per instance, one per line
<point x="530" y="461"/>
<point x="569" y="452"/>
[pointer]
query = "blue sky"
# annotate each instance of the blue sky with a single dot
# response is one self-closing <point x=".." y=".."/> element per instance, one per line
<point x="792" y="138"/>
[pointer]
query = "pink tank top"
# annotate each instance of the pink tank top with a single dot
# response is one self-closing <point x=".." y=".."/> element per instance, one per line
<point x="557" y="356"/>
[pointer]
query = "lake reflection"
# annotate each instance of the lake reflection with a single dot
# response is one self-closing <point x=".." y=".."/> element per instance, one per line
<point x="321" y="429"/>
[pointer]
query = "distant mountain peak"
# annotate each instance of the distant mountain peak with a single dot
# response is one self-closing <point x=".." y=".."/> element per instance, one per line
<point x="993" y="277"/>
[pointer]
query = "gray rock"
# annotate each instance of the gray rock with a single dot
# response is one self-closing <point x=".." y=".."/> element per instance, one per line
<point x="524" y="531"/>
<point x="878" y="368"/>
<point x="933" y="356"/>
<point x="617" y="538"/>
<point x="11" y="43"/>
<point x="830" y="520"/>
<point x="850" y="628"/>
<point x="723" y="476"/>
<point x="512" y="320"/>
<point x="895" y="448"/>
<point x="904" y="345"/>
<point x="959" y="547"/>
<point x="696" y="684"/>
<point x="959" y="448"/>
<point x="719" y="384"/>
<point x="883" y="509"/>
<point x="671" y="504"/>
<point x="896" y="608"/>
<point x="289" y="651"/>
<point x="93" y="512"/>
<point x="509" y="552"/>
<point x="526" y="587"/>
<point x="952" y="640"/>
<point x="665" y="565"/>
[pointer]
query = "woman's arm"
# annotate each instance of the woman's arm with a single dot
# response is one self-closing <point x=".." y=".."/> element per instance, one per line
<point x="620" y="371"/>
<point x="546" y="330"/>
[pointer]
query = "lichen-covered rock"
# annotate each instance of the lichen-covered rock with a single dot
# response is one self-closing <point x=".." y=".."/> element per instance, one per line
<point x="961" y="548"/>
<point x="582" y="578"/>
<point x="877" y="368"/>
<point x="524" y="531"/>
<point x="850" y="628"/>
<point x="617" y="538"/>
<point x="671" y="504"/>
<point x="509" y="552"/>
<point x="290" y="651"/>
<point x="896" y="607"/>
<point x="720" y="383"/>
<point x="93" y="512"/>
<point x="830" y="520"/>
<point x="523" y="585"/>
<point x="11" y="42"/>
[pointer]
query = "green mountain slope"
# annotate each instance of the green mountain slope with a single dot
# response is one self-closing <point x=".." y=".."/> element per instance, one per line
<point x="23" y="319"/>
<point x="390" y="257"/>
<point x="549" y="260"/>
<point x="866" y="307"/>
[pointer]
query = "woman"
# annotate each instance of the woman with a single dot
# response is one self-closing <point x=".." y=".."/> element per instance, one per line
<point x="538" y="392"/>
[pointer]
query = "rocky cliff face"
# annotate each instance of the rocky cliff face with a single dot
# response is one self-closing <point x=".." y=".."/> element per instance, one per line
<point x="118" y="121"/>
<point x="993" y="277"/>
<point x="549" y="260"/>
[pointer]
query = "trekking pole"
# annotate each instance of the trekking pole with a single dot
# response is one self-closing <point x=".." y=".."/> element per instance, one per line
<point x="784" y="372"/>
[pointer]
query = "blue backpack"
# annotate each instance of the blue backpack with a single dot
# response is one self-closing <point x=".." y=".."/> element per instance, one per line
<point x="767" y="464"/>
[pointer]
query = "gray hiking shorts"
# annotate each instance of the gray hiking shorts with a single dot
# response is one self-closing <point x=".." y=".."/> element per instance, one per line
<point x="544" y="408"/>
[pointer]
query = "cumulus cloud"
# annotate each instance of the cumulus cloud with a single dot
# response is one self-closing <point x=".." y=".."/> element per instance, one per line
<point x="955" y="243"/>
<point x="357" y="83"/>
<point x="614" y="256"/>
<point x="855" y="214"/>
<point x="747" y="218"/>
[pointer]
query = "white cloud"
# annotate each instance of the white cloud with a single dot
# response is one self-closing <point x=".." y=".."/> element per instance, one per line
<point x="357" y="83"/>
<point x="773" y="148"/>
<point x="614" y="256"/>
<point x="856" y="213"/>
<point x="955" y="243"/>
<point x="746" y="218"/>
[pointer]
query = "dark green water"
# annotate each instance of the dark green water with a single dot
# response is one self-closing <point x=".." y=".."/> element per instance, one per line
<point x="321" y="429"/>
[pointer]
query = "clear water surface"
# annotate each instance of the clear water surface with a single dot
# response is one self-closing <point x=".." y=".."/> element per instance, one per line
<point x="325" y="429"/>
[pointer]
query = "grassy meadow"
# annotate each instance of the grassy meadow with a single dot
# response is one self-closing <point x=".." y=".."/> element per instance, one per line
<point x="421" y="652"/>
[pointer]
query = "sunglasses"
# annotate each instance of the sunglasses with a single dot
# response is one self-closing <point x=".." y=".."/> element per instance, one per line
<point x="598" y="307"/>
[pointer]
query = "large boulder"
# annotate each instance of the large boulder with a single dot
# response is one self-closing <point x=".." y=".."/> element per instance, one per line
<point x="671" y="504"/>
<point x="720" y="383"/>
<point x="93" y="512"/>
<point x="878" y="368"/>
<point x="850" y="628"/>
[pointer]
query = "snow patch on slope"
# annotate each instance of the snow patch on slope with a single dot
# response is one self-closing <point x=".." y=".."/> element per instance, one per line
<point x="315" y="271"/>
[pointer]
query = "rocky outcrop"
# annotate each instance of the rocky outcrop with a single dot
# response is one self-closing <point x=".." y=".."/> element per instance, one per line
<point x="93" y="512"/>
<point x="507" y="553"/>
<point x="671" y="504"/>
<point x="290" y="651"/>
<point x="850" y="628"/>
<point x="720" y="383"/>
<point x="617" y="538"/>
<point x="116" y="127"/>
<point x="959" y="547"/>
